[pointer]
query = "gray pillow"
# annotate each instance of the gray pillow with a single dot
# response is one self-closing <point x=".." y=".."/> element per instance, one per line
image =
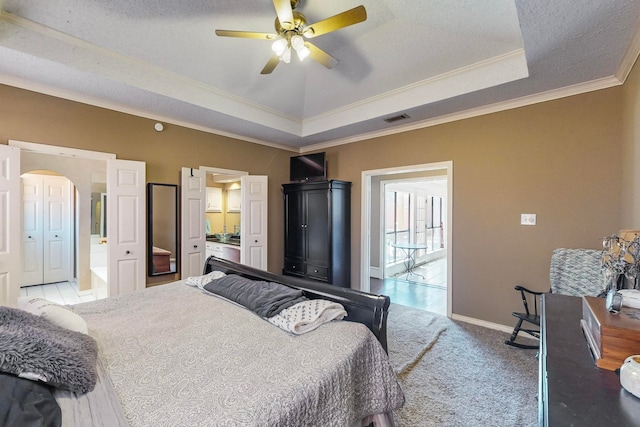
<point x="32" y="347"/>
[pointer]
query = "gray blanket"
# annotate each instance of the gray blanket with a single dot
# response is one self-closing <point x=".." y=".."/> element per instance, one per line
<point x="266" y="299"/>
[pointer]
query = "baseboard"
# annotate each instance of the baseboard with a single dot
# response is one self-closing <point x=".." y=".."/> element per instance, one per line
<point x="375" y="272"/>
<point x="483" y="323"/>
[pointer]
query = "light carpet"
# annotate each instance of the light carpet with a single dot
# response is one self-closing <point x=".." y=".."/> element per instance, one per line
<point x="456" y="374"/>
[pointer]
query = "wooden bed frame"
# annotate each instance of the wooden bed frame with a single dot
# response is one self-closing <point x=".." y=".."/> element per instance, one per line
<point x="368" y="309"/>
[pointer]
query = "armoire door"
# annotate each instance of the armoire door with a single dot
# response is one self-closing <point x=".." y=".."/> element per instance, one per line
<point x="317" y="226"/>
<point x="295" y="220"/>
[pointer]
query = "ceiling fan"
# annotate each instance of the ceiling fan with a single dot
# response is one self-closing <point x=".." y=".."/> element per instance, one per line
<point x="292" y="30"/>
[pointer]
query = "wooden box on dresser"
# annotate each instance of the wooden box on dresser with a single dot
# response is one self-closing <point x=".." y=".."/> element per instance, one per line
<point x="573" y="391"/>
<point x="317" y="228"/>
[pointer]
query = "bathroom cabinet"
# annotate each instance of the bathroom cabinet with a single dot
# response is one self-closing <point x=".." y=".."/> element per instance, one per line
<point x="222" y="250"/>
<point x="317" y="239"/>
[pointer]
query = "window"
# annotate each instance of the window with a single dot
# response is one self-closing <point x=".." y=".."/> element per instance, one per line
<point x="397" y="222"/>
<point x="413" y="218"/>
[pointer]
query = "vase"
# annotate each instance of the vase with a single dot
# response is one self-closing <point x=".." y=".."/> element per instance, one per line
<point x="630" y="375"/>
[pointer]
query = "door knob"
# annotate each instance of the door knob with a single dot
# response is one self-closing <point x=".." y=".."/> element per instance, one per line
<point x="127" y="252"/>
<point x="56" y="235"/>
<point x="195" y="246"/>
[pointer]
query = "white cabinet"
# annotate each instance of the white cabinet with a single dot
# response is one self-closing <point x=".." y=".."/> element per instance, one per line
<point x="234" y="200"/>
<point x="209" y="249"/>
<point x="221" y="250"/>
<point x="214" y="199"/>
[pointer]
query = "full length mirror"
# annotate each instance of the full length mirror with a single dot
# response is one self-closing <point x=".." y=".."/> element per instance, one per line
<point x="162" y="233"/>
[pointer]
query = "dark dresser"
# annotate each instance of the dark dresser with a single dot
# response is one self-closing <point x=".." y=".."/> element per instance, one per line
<point x="573" y="391"/>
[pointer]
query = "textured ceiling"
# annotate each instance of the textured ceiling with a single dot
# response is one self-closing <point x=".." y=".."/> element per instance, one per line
<point x="434" y="61"/>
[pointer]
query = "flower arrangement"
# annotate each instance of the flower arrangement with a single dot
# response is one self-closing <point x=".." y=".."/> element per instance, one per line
<point x="621" y="259"/>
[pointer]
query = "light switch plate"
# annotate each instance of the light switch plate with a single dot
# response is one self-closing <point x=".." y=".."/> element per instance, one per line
<point x="528" y="219"/>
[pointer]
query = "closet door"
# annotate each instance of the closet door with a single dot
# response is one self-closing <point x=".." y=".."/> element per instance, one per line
<point x="47" y="229"/>
<point x="193" y="240"/>
<point x="126" y="226"/>
<point x="253" y="221"/>
<point x="10" y="242"/>
<point x="32" y="245"/>
<point x="56" y="229"/>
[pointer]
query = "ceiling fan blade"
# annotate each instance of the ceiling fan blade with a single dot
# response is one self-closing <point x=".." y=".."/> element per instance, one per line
<point x="271" y="65"/>
<point x="321" y="56"/>
<point x="285" y="13"/>
<point x="247" y="35"/>
<point x="341" y="20"/>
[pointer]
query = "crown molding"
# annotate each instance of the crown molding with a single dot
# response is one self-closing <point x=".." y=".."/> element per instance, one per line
<point x="630" y="57"/>
<point x="119" y="108"/>
<point x="490" y="72"/>
<point x="550" y="95"/>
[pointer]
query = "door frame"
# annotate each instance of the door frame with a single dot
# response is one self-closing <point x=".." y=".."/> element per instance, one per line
<point x="365" y="220"/>
<point x="238" y="175"/>
<point x="67" y="152"/>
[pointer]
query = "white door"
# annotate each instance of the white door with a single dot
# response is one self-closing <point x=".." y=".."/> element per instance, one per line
<point x="56" y="229"/>
<point x="32" y="247"/>
<point x="47" y="229"/>
<point x="192" y="225"/>
<point x="253" y="221"/>
<point x="10" y="241"/>
<point x="126" y="225"/>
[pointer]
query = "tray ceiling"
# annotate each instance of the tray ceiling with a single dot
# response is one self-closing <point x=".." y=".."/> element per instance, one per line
<point x="432" y="61"/>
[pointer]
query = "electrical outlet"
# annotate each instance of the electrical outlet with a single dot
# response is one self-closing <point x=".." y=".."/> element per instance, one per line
<point x="528" y="219"/>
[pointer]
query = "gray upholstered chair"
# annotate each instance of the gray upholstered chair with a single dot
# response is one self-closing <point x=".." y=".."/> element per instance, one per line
<point x="576" y="272"/>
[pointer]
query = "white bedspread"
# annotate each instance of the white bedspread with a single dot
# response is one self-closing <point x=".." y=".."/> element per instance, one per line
<point x="178" y="357"/>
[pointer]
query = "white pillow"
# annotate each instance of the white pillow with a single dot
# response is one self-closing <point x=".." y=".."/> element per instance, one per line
<point x="200" y="281"/>
<point x="55" y="313"/>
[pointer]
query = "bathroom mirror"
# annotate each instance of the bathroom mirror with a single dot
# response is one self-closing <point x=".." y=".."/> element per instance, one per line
<point x="162" y="228"/>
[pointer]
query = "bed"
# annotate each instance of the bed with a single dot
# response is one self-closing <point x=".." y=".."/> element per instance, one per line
<point x="178" y="355"/>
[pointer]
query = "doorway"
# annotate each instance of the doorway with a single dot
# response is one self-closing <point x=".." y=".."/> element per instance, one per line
<point x="423" y="232"/>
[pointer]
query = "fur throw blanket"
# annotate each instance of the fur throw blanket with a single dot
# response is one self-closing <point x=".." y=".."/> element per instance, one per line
<point x="34" y="348"/>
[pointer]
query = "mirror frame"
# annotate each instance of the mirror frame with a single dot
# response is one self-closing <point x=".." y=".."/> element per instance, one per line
<point x="150" y="195"/>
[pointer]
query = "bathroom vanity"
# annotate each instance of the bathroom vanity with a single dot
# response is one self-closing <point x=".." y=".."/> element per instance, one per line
<point x="229" y="250"/>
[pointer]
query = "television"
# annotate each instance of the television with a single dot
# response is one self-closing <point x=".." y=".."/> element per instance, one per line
<point x="308" y="167"/>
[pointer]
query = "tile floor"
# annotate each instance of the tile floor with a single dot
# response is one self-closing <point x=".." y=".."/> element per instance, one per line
<point x="428" y="294"/>
<point x="64" y="293"/>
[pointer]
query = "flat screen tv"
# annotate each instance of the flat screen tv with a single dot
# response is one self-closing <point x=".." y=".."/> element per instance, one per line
<point x="308" y="167"/>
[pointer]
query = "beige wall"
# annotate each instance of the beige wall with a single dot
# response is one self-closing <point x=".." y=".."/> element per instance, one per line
<point x="561" y="160"/>
<point x="630" y="189"/>
<point x="31" y="117"/>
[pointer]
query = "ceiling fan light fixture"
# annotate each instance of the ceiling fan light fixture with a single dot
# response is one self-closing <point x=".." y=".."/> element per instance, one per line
<point x="297" y="42"/>
<point x="303" y="53"/>
<point x="279" y="46"/>
<point x="286" y="56"/>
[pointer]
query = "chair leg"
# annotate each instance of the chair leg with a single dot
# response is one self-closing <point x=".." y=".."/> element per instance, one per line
<point x="512" y="340"/>
<point x="514" y="334"/>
